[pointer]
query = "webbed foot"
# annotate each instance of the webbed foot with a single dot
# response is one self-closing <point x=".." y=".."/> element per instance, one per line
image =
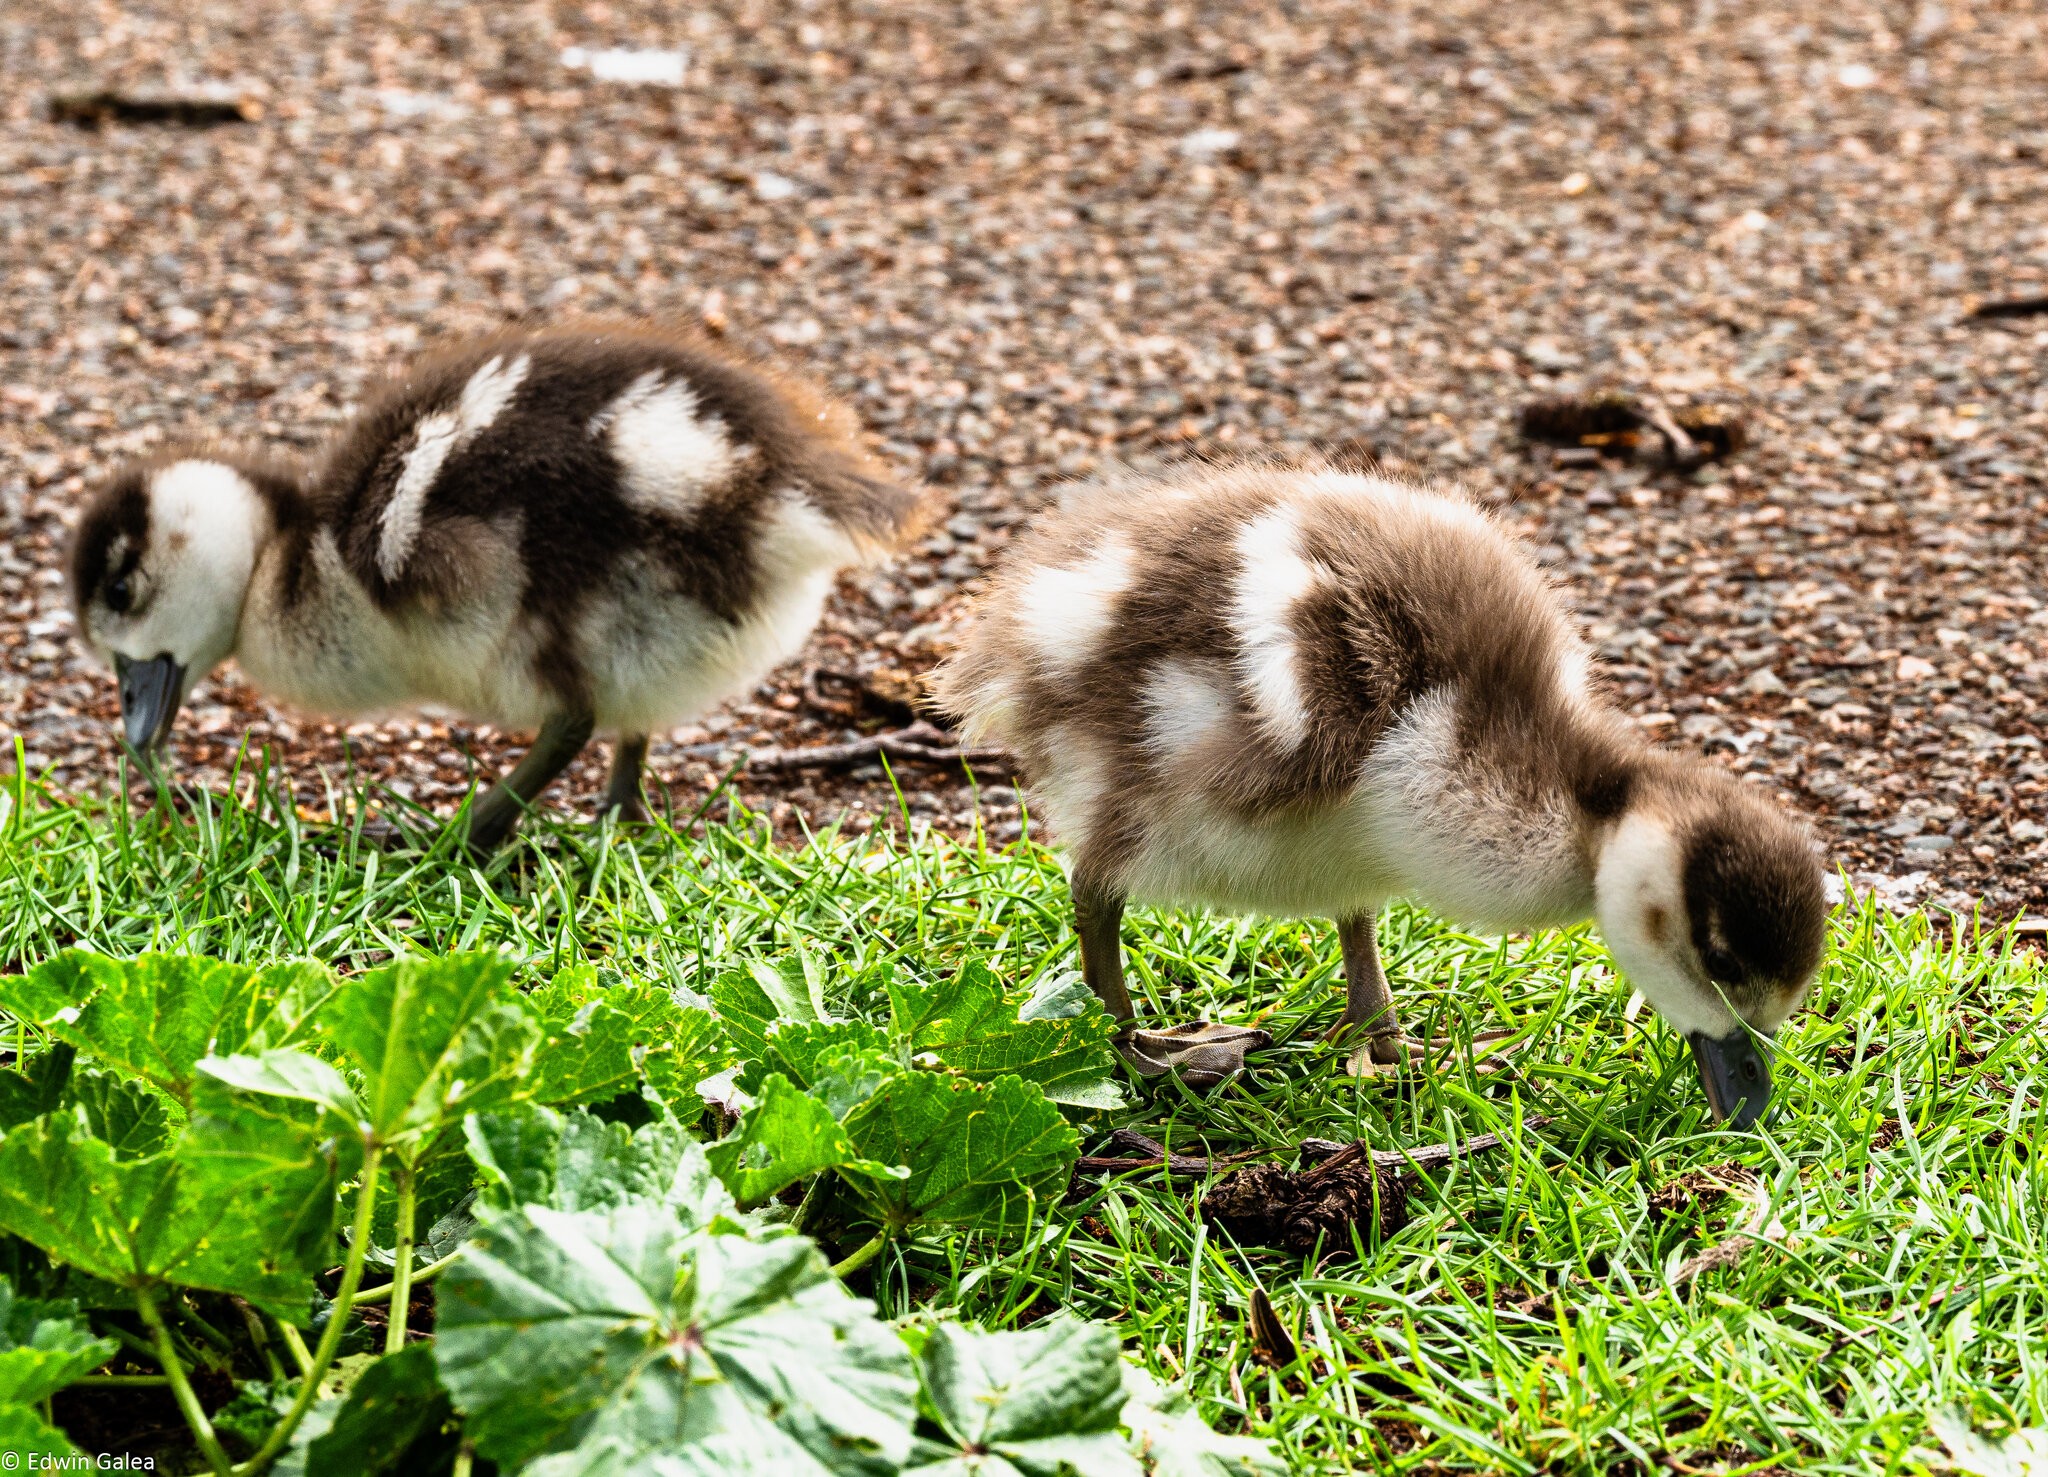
<point x="1203" y="1054"/>
<point x="1385" y="1056"/>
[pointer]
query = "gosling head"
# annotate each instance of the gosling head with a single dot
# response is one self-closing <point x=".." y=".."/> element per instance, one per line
<point x="160" y="567"/>
<point x="1713" y="905"/>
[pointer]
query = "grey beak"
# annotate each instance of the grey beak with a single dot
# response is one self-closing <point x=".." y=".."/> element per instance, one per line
<point x="1736" y="1071"/>
<point x="150" y="694"/>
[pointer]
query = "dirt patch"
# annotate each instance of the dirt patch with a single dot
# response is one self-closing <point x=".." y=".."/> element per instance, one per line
<point x="1299" y="1210"/>
<point x="1696" y="1185"/>
<point x="1341" y="1187"/>
<point x="1028" y="243"/>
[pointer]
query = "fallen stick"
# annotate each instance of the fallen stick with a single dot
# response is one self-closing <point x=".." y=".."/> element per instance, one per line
<point x="889" y="695"/>
<point x="1683" y="451"/>
<point x="97" y="109"/>
<point x="1322" y="1153"/>
<point x="2011" y="307"/>
<point x="920" y="743"/>
<point x="1154" y="1155"/>
<point x="1612" y="423"/>
<point x="1425" y="1156"/>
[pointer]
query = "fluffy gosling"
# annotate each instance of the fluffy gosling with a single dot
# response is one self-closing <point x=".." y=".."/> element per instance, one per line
<point x="1304" y="692"/>
<point x="598" y="528"/>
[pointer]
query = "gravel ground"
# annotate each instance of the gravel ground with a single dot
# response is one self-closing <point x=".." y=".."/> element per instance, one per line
<point x="1029" y="240"/>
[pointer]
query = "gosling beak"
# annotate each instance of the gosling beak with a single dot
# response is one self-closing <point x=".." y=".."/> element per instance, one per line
<point x="150" y="694"/>
<point x="1736" y="1071"/>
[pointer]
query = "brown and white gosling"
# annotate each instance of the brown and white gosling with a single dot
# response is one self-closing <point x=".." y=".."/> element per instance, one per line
<point x="1305" y="692"/>
<point x="596" y="528"/>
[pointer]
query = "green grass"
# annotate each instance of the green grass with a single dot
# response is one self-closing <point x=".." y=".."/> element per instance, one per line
<point x="1909" y="1278"/>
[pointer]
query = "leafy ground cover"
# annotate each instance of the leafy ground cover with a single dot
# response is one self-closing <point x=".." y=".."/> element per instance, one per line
<point x="1876" y="1299"/>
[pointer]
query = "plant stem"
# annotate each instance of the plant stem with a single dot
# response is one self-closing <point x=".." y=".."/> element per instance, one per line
<point x="297" y="1345"/>
<point x="212" y="1335"/>
<point x="140" y="1346"/>
<point x="253" y="1321"/>
<point x="425" y="1274"/>
<point x="197" y="1353"/>
<point x="866" y="1253"/>
<point x="401" y="1262"/>
<point x="337" y="1322"/>
<point x="803" y="1209"/>
<point x="119" y="1382"/>
<point x="181" y="1388"/>
<point x="465" y="1455"/>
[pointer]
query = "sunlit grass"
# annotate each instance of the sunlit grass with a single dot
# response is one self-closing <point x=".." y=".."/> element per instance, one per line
<point x="1904" y="1162"/>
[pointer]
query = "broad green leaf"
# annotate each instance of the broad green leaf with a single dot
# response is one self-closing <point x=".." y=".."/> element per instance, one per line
<point x="24" y="1434"/>
<point x="393" y="1421"/>
<point x="796" y="1049"/>
<point x="434" y="1039"/>
<point x="35" y="1086"/>
<point x="760" y="1454"/>
<point x="752" y="999"/>
<point x="446" y="1232"/>
<point x="1171" y="1438"/>
<point x="256" y="1409"/>
<point x="134" y="1118"/>
<point x="600" y="1041"/>
<point x="786" y="1136"/>
<point x="560" y="1327"/>
<point x="1059" y="996"/>
<point x="968" y="1025"/>
<point x="241" y="1205"/>
<point x="441" y="1181"/>
<point x="972" y="1026"/>
<point x="699" y="1051"/>
<point x="843" y="1080"/>
<point x="289" y="1074"/>
<point x="576" y="1161"/>
<point x="43" y="1347"/>
<point x="63" y="1190"/>
<point x="32" y="1087"/>
<point x="1045" y="1399"/>
<point x="2024" y="1453"/>
<point x="979" y="1154"/>
<point x="33" y="1273"/>
<point x="156" y="1016"/>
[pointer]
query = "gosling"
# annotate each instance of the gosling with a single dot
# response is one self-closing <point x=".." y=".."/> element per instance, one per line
<point x="595" y="528"/>
<point x="1305" y="692"/>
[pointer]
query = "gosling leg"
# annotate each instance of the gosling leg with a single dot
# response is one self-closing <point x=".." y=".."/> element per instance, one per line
<point x="1369" y="1005"/>
<point x="622" y="794"/>
<point x="1098" y="923"/>
<point x="494" y="817"/>
<point x="1368" y="999"/>
<point x="1203" y="1054"/>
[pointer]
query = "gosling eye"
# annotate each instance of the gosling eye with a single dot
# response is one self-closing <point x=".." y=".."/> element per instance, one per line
<point x="120" y="595"/>
<point x="1723" y="967"/>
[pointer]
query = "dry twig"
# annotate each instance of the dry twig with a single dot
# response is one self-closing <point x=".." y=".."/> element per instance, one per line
<point x="98" y="109"/>
<point x="2011" y="307"/>
<point x="1154" y="1155"/>
<point x="920" y="743"/>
